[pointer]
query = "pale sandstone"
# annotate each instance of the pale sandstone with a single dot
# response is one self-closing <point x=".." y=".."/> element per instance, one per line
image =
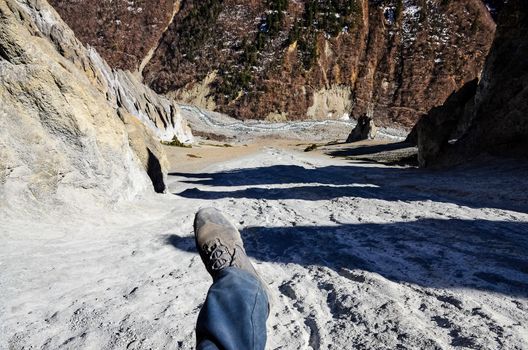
<point x="62" y="141"/>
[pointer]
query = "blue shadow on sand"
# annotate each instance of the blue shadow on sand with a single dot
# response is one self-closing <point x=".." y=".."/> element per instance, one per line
<point x="475" y="254"/>
<point x="502" y="187"/>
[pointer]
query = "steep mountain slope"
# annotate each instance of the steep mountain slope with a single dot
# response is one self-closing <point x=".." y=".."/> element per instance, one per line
<point x="123" y="32"/>
<point x="392" y="59"/>
<point x="286" y="59"/>
<point x="72" y="131"/>
<point x="500" y="119"/>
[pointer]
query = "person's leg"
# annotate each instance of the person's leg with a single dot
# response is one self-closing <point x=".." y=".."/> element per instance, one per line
<point x="234" y="313"/>
<point x="236" y="308"/>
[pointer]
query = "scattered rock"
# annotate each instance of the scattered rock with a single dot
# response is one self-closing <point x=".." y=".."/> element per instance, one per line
<point x="365" y="130"/>
<point x="175" y="143"/>
<point x="190" y="155"/>
<point x="310" y="148"/>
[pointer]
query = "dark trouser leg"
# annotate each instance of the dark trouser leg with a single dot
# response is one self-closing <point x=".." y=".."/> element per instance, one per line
<point x="234" y="314"/>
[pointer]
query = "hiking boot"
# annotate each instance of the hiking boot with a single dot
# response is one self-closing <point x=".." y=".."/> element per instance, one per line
<point x="219" y="243"/>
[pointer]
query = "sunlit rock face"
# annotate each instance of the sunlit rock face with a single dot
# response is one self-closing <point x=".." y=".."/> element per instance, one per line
<point x="391" y="60"/>
<point x="62" y="139"/>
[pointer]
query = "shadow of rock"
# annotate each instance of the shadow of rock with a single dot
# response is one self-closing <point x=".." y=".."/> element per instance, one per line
<point x="368" y="150"/>
<point x="478" y="186"/>
<point x="155" y="172"/>
<point x="475" y="254"/>
<point x="398" y="153"/>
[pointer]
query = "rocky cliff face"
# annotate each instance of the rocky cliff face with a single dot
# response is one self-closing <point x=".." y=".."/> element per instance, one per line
<point x="393" y="60"/>
<point x="500" y="118"/>
<point x="122" y="87"/>
<point x="71" y="131"/>
<point x="277" y="59"/>
<point x="496" y="121"/>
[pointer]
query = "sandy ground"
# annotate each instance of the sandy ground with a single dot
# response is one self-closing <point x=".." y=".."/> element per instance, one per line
<point x="357" y="256"/>
<point x="205" y="153"/>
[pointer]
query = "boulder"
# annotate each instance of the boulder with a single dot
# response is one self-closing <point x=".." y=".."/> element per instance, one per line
<point x="442" y="124"/>
<point x="148" y="149"/>
<point x="365" y="129"/>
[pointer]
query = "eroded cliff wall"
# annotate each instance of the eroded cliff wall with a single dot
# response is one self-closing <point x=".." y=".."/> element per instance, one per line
<point x="72" y="130"/>
<point x="393" y="60"/>
<point x="491" y="117"/>
<point x="500" y="118"/>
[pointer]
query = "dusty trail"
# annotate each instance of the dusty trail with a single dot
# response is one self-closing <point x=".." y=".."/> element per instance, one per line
<point x="357" y="256"/>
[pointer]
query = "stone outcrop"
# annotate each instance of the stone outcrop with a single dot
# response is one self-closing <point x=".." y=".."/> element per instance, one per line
<point x="433" y="131"/>
<point x="121" y="88"/>
<point x="498" y="121"/>
<point x="148" y="149"/>
<point x="62" y="139"/>
<point x="161" y="115"/>
<point x="365" y="129"/>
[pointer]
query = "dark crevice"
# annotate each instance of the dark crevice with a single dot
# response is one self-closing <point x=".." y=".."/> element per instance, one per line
<point x="4" y="55"/>
<point x="155" y="173"/>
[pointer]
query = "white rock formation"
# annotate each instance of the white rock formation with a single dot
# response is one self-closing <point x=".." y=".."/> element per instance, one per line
<point x="62" y="140"/>
<point x="122" y="88"/>
<point x="161" y="115"/>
